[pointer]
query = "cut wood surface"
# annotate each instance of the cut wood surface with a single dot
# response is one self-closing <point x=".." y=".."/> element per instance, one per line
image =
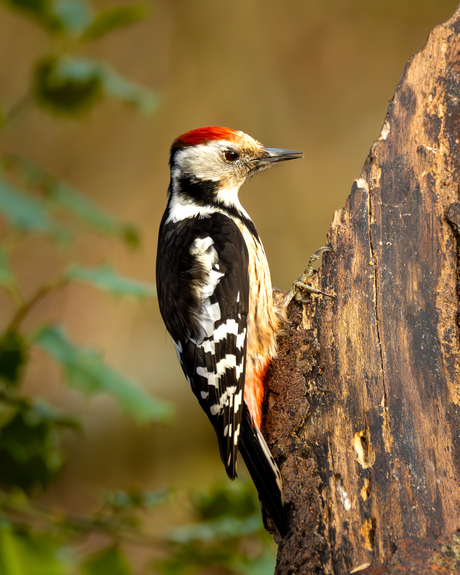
<point x="363" y="404"/>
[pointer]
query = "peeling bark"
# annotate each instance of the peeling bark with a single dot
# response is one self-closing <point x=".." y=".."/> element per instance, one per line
<point x="363" y="403"/>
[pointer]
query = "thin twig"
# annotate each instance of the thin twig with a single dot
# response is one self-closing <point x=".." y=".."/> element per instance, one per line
<point x="79" y="524"/>
<point x="27" y="306"/>
<point x="16" y="109"/>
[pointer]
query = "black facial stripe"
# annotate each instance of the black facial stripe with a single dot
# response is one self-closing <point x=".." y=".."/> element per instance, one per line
<point x="203" y="193"/>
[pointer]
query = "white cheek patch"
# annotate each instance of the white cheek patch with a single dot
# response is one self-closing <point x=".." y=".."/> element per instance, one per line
<point x="204" y="161"/>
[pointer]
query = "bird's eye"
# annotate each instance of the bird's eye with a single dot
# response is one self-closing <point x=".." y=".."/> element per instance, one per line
<point x="231" y="155"/>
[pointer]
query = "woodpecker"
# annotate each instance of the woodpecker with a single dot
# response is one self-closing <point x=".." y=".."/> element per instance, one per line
<point x="215" y="295"/>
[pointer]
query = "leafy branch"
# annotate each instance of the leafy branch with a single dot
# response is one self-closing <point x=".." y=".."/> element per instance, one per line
<point x="225" y="527"/>
<point x="68" y="85"/>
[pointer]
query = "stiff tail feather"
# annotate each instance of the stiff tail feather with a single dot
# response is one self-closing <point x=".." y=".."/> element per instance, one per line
<point x="263" y="470"/>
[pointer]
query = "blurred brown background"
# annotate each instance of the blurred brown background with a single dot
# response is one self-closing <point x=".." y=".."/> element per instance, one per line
<point x="310" y="75"/>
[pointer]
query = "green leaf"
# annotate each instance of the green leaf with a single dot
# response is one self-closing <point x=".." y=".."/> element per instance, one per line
<point x="136" y="498"/>
<point x="30" y="452"/>
<point x="73" y="85"/>
<point x="128" y="92"/>
<point x="86" y="371"/>
<point x="13" y="356"/>
<point x="9" y="555"/>
<point x="38" y="10"/>
<point x="39" y="410"/>
<point x="109" y="560"/>
<point x="104" y="278"/>
<point x="236" y="499"/>
<point x="112" y="19"/>
<point x="56" y="16"/>
<point x="225" y="527"/>
<point x="74" y="15"/>
<point x="7" y="278"/>
<point x="92" y="215"/>
<point x="28" y="554"/>
<point x="63" y="196"/>
<point x="67" y="86"/>
<point x="263" y="564"/>
<point x="22" y="211"/>
<point x="7" y="412"/>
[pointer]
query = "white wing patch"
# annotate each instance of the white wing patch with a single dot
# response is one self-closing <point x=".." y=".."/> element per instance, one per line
<point x="237" y="433"/>
<point x="240" y="339"/>
<point x="225" y="363"/>
<point x="222" y="369"/>
<point x="213" y="378"/>
<point x="238" y="399"/>
<point x="207" y="257"/>
<point x="210" y="314"/>
<point x="225" y="400"/>
<point x="207" y="346"/>
<point x="201" y="245"/>
<point x="230" y="326"/>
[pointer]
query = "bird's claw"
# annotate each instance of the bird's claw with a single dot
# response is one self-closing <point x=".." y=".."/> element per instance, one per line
<point x="301" y="283"/>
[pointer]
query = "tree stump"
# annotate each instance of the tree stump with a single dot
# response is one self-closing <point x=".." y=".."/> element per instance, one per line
<point x="363" y="403"/>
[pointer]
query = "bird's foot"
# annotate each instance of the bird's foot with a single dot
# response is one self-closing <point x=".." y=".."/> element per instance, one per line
<point x="301" y="285"/>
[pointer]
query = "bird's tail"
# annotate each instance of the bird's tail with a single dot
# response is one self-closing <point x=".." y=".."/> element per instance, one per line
<point x="263" y="470"/>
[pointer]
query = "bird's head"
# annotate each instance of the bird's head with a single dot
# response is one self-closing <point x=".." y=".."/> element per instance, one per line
<point x="209" y="165"/>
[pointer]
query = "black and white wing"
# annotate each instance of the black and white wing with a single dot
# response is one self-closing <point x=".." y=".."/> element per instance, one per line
<point x="203" y="293"/>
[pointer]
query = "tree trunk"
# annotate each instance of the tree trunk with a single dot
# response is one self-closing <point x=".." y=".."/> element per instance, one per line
<point x="363" y="402"/>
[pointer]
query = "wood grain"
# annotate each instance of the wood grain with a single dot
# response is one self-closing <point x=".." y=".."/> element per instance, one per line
<point x="363" y="402"/>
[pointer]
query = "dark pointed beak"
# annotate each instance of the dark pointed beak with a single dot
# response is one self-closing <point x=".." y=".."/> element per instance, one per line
<point x="270" y="156"/>
<point x="277" y="155"/>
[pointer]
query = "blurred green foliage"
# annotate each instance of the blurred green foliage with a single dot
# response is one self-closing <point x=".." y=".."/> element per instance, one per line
<point x="227" y="533"/>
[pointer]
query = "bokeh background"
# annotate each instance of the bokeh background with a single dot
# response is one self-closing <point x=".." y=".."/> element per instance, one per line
<point x="310" y="75"/>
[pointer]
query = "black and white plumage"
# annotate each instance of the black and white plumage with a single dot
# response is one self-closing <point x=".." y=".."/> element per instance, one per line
<point x="205" y="308"/>
<point x="215" y="295"/>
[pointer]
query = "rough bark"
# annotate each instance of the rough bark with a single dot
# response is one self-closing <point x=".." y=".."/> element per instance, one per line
<point x="363" y="402"/>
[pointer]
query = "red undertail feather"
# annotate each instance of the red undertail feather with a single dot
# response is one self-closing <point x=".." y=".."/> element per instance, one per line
<point x="254" y="390"/>
<point x="203" y="135"/>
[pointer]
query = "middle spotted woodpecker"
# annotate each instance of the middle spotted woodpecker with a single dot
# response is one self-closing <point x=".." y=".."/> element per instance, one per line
<point x="215" y="295"/>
